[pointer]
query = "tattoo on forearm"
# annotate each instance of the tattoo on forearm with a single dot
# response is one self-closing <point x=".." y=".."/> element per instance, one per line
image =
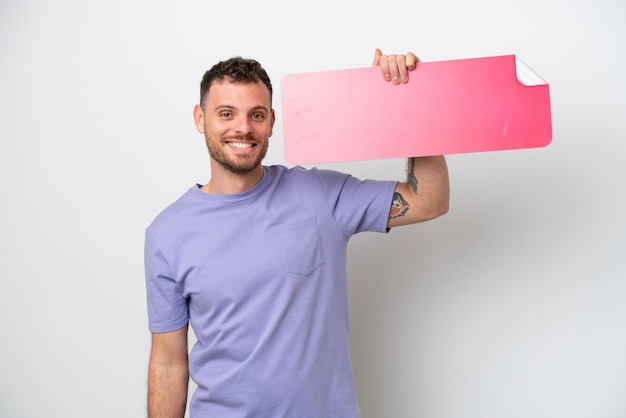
<point x="399" y="206"/>
<point x="411" y="179"/>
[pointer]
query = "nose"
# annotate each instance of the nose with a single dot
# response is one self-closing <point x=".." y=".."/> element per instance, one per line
<point x="243" y="125"/>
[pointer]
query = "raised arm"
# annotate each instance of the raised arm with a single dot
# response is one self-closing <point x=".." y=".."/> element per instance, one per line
<point x="168" y="375"/>
<point x="425" y="194"/>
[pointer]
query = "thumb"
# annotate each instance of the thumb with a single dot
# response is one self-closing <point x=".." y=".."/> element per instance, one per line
<point x="377" y="55"/>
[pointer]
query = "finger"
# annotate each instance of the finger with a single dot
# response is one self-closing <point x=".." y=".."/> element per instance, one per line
<point x="383" y="62"/>
<point x="394" y="72"/>
<point x="403" y="72"/>
<point x="411" y="61"/>
<point x="377" y="55"/>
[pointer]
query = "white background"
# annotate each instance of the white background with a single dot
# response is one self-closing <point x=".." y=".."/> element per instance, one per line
<point x="512" y="305"/>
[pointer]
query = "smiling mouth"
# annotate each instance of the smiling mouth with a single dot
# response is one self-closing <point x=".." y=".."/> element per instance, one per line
<point x="241" y="145"/>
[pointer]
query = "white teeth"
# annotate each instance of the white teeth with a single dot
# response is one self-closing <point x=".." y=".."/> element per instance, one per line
<point x="240" y="145"/>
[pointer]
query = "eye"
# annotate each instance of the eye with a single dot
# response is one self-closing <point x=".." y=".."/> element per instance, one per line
<point x="226" y="115"/>
<point x="258" y="116"/>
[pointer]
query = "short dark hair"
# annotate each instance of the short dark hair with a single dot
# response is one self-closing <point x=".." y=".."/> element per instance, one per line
<point x="235" y="70"/>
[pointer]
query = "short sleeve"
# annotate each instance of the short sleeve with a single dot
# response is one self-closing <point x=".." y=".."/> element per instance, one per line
<point x="167" y="307"/>
<point x="357" y="205"/>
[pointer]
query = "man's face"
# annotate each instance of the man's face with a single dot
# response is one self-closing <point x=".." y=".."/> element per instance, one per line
<point x="237" y="122"/>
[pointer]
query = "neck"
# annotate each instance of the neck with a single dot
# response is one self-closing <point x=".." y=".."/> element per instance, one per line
<point x="226" y="182"/>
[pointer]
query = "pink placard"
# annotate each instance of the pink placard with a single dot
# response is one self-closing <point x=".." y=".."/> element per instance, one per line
<point x="447" y="107"/>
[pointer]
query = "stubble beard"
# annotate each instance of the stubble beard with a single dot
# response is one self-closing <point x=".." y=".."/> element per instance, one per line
<point x="237" y="165"/>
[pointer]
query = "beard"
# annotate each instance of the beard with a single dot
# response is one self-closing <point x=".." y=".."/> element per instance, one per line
<point x="240" y="164"/>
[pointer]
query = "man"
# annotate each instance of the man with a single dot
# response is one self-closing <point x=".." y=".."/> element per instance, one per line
<point x="255" y="261"/>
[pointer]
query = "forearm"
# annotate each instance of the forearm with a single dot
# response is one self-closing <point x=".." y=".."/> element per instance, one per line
<point x="167" y="389"/>
<point x="425" y="194"/>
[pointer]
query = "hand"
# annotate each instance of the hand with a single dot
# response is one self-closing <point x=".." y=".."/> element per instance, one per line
<point x="395" y="68"/>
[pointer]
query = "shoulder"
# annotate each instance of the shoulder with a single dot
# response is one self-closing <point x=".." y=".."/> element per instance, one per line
<point x="300" y="173"/>
<point x="331" y="182"/>
<point x="173" y="211"/>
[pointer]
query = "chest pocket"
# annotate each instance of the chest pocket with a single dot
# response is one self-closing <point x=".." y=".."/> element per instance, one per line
<point x="301" y="246"/>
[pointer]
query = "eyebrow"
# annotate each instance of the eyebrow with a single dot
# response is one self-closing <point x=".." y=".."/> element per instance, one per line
<point x="231" y="107"/>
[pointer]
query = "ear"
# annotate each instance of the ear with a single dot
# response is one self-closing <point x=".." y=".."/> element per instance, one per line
<point x="272" y="120"/>
<point x="198" y="118"/>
